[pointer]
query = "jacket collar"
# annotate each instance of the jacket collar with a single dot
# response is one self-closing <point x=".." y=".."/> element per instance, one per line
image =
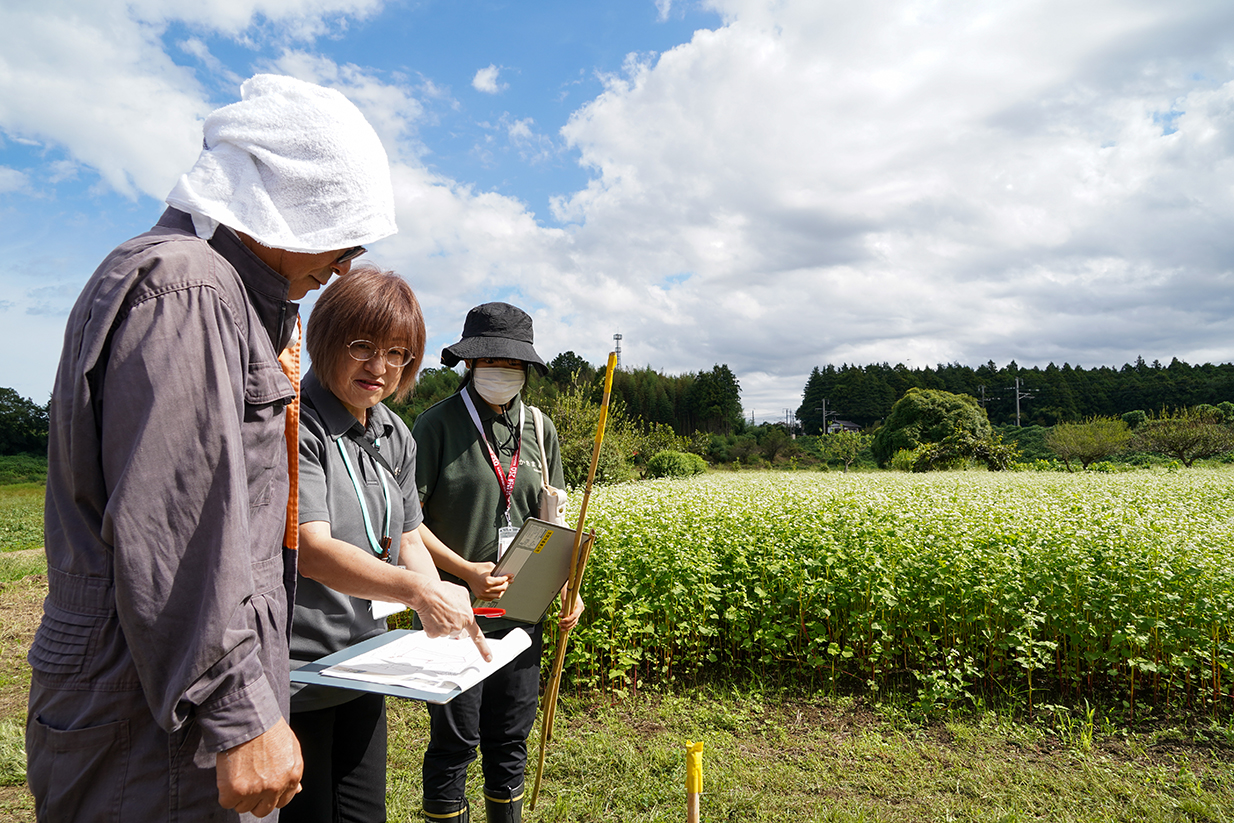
<point x="267" y="289"/>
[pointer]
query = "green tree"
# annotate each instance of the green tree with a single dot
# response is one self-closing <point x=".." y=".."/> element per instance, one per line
<point x="716" y="400"/>
<point x="810" y="412"/>
<point x="774" y="441"/>
<point x="1187" y="436"/>
<point x="23" y="425"/>
<point x="576" y="415"/>
<point x="929" y="416"/>
<point x="845" y="446"/>
<point x="568" y="367"/>
<point x="432" y="386"/>
<point x="1090" y="441"/>
<point x="675" y="464"/>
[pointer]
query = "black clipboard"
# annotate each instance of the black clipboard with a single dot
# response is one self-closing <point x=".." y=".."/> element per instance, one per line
<point x="539" y="559"/>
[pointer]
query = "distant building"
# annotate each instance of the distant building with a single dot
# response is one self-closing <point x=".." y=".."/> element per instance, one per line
<point x="842" y="426"/>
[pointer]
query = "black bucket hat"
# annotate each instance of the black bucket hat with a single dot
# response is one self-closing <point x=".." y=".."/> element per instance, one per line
<point x="495" y="330"/>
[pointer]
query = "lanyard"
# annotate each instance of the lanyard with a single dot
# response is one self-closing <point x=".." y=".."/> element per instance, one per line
<point x="507" y="482"/>
<point x="381" y="548"/>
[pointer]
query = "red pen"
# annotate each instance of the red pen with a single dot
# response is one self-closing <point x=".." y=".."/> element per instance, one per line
<point x="488" y="612"/>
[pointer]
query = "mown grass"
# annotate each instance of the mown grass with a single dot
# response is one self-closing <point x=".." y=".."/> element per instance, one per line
<point x="787" y="756"/>
<point x="21" y="516"/>
<point x="12" y="752"/>
<point x="776" y="757"/>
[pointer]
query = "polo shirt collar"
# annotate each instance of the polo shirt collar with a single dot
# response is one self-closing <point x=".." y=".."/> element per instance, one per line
<point x="334" y="416"/>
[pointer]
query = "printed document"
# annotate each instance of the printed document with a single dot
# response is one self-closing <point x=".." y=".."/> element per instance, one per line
<point x="434" y="666"/>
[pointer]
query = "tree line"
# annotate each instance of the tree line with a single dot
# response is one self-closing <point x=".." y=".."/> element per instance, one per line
<point x="1047" y="396"/>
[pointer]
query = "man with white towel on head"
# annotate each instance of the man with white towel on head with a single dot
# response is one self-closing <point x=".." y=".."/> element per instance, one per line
<point x="160" y="670"/>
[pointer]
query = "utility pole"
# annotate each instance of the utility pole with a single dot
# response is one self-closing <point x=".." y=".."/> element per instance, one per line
<point x="1018" y="395"/>
<point x="825" y="414"/>
<point x="617" y="348"/>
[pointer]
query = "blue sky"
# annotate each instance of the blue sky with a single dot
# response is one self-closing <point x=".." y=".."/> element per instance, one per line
<point x="770" y="184"/>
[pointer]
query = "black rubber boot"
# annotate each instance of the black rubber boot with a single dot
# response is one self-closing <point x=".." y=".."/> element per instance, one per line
<point x="447" y="811"/>
<point x="504" y="805"/>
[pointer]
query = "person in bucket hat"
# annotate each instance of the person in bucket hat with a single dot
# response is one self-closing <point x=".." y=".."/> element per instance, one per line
<point x="495" y="330"/>
<point x="479" y="472"/>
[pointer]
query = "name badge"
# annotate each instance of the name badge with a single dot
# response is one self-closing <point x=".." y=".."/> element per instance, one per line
<point x="505" y="536"/>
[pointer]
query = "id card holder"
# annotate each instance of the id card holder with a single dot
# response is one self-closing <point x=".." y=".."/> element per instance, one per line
<point x="505" y="536"/>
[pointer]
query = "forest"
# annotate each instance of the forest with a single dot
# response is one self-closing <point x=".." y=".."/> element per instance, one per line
<point x="704" y="408"/>
<point x="1054" y="394"/>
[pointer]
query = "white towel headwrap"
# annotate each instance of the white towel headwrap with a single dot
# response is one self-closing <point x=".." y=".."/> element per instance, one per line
<point x="294" y="166"/>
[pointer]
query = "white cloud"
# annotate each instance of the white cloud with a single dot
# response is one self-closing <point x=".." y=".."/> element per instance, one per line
<point x="532" y="146"/>
<point x="12" y="179"/>
<point x="486" y="80"/>
<point x="811" y="182"/>
<point x="898" y="181"/>
<point x="137" y="121"/>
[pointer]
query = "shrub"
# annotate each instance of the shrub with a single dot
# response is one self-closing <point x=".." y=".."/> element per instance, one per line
<point x="1186" y="436"/>
<point x="930" y="416"/>
<point x="675" y="464"/>
<point x="23" y="468"/>
<point x="1090" y="441"/>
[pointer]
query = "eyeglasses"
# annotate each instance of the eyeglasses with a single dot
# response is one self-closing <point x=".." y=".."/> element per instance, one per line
<point x="350" y="254"/>
<point x="365" y="350"/>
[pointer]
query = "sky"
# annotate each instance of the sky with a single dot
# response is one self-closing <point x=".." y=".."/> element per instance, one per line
<point x="773" y="185"/>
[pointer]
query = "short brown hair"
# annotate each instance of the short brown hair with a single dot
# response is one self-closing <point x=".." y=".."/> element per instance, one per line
<point x="368" y="304"/>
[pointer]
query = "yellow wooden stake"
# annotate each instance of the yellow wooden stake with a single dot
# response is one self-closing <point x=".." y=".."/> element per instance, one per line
<point x="578" y="565"/>
<point x="694" y="779"/>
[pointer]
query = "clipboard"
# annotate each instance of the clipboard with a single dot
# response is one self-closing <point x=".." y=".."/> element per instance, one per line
<point x="539" y="560"/>
<point x="393" y="679"/>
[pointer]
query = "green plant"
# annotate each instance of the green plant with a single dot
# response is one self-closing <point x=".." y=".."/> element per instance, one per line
<point x="1186" y="436"/>
<point x="675" y="464"/>
<point x="1090" y="441"/>
<point x="22" y="468"/>
<point x="12" y="752"/>
<point x="924" y="416"/>
<point x="957" y="588"/>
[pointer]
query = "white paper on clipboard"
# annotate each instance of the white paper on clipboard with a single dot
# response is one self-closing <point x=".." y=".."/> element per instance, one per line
<point x="539" y="560"/>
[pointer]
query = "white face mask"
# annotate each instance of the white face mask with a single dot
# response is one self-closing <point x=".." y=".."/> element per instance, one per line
<point x="497" y="385"/>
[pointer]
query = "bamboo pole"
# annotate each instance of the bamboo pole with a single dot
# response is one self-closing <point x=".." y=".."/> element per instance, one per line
<point x="578" y="565"/>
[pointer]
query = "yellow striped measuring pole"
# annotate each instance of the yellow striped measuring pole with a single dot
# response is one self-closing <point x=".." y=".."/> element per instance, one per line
<point x="694" y="779"/>
<point x="578" y="565"/>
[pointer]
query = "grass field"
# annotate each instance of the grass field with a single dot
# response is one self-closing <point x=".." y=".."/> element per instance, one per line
<point x="809" y="748"/>
<point x="21" y="516"/>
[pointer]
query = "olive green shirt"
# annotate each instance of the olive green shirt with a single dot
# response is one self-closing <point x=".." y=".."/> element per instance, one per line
<point x="459" y="491"/>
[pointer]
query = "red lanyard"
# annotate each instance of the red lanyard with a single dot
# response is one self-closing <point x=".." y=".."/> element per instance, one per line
<point x="506" y="482"/>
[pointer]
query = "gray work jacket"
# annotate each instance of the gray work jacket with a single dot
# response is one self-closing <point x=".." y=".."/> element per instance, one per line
<point x="167" y="487"/>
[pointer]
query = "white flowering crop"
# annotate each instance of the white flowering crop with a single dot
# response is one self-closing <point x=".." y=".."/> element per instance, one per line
<point x="951" y="584"/>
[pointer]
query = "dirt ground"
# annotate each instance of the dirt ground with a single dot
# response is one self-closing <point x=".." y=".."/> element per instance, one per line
<point x="21" y="608"/>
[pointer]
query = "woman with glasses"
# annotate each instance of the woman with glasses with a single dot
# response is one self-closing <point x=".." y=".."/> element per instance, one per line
<point x="479" y="473"/>
<point x="361" y="556"/>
